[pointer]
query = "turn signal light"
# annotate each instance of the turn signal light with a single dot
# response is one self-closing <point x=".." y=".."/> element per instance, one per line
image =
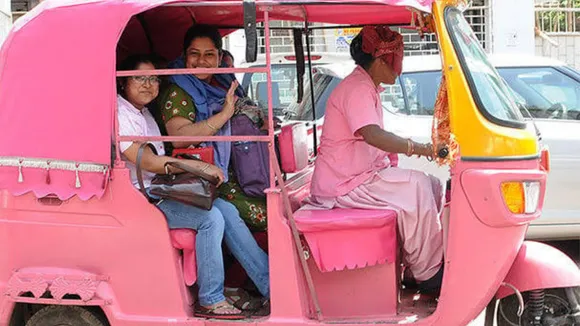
<point x="521" y="197"/>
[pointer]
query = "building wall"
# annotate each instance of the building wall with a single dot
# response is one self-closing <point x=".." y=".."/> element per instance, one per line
<point x="512" y="26"/>
<point x="5" y="19"/>
<point x="566" y="49"/>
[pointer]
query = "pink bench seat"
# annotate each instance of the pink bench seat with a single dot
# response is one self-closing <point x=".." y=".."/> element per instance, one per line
<point x="349" y="238"/>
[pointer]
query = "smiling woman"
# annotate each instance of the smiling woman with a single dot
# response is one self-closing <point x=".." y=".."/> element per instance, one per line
<point x="139" y="90"/>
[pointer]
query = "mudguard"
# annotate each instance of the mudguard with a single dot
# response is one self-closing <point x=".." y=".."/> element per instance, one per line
<point x="539" y="266"/>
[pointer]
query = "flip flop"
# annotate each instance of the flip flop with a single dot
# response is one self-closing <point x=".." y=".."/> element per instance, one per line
<point x="219" y="312"/>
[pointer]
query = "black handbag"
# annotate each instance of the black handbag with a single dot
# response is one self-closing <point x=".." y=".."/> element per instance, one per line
<point x="189" y="187"/>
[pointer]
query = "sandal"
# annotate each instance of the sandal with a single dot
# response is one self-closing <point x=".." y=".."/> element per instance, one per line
<point x="222" y="310"/>
<point x="242" y="300"/>
<point x="264" y="310"/>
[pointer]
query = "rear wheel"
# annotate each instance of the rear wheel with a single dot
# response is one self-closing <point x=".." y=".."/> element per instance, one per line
<point x="64" y="316"/>
<point x="542" y="307"/>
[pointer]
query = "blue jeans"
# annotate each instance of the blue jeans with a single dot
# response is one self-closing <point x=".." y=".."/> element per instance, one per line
<point x="222" y="221"/>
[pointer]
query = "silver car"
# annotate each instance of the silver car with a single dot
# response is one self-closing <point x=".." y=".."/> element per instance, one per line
<point x="549" y="95"/>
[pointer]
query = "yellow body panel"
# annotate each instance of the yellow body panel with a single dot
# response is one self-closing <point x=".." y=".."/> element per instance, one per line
<point x="477" y="136"/>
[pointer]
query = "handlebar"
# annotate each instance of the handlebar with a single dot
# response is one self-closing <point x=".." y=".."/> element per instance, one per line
<point x="443" y="152"/>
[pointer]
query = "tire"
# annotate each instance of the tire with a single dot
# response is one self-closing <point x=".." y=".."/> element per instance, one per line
<point x="556" y="308"/>
<point x="64" y="316"/>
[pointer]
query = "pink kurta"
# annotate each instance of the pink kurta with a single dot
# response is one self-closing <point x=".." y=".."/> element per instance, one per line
<point x="349" y="173"/>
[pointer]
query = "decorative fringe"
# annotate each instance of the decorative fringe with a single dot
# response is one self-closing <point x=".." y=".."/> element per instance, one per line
<point x="441" y="130"/>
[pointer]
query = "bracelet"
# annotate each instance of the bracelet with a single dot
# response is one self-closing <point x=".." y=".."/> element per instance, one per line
<point x="410" y="147"/>
<point x="210" y="126"/>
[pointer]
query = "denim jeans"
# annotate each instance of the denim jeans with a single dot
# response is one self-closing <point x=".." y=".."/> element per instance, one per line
<point x="221" y="222"/>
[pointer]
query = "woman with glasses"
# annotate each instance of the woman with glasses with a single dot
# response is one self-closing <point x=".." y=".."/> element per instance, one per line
<point x="222" y="222"/>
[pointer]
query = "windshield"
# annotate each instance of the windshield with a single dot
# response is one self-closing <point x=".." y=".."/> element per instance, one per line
<point x="546" y="92"/>
<point x="488" y="89"/>
<point x="323" y="86"/>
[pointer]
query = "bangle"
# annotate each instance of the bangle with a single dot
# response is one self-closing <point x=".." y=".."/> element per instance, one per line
<point x="210" y="126"/>
<point x="410" y="147"/>
<point x="205" y="168"/>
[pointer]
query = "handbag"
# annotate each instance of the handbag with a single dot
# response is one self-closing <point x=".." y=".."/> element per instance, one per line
<point x="190" y="187"/>
<point x="200" y="153"/>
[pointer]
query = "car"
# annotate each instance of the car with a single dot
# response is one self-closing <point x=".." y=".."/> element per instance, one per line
<point x="284" y="77"/>
<point x="547" y="91"/>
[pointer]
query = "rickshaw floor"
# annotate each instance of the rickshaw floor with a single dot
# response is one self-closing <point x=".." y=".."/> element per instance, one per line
<point x="415" y="304"/>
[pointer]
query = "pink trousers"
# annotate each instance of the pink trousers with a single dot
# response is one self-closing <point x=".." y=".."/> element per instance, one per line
<point x="417" y="197"/>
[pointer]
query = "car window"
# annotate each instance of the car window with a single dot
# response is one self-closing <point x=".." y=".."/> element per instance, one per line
<point x="393" y="99"/>
<point x="546" y="92"/>
<point x="324" y="84"/>
<point x="421" y="90"/>
<point x="284" y="76"/>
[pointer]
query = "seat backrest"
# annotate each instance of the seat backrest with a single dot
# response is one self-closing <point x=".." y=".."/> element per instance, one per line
<point x="293" y="146"/>
<point x="262" y="94"/>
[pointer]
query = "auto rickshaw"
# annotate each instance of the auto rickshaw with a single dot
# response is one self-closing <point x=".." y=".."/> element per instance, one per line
<point x="81" y="245"/>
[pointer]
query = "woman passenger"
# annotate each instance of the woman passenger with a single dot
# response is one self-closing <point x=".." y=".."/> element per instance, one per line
<point x="221" y="222"/>
<point x="353" y="132"/>
<point x="194" y="105"/>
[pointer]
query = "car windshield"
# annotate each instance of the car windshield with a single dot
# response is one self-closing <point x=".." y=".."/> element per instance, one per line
<point x="488" y="89"/>
<point x="546" y="92"/>
<point x="324" y="83"/>
<point x="283" y="84"/>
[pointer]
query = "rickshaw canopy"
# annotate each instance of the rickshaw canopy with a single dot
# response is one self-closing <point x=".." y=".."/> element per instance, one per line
<point x="57" y="71"/>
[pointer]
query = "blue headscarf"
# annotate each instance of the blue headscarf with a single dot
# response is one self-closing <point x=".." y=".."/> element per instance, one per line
<point x="209" y="100"/>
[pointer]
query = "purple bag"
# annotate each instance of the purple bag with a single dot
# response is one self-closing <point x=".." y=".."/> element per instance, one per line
<point x="250" y="159"/>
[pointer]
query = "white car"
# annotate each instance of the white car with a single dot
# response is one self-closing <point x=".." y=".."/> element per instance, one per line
<point x="284" y="77"/>
<point x="547" y="90"/>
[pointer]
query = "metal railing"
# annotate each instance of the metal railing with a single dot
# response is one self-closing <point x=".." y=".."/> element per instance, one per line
<point x="559" y="17"/>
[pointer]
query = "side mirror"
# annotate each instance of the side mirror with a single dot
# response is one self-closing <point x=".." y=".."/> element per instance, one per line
<point x="250" y="30"/>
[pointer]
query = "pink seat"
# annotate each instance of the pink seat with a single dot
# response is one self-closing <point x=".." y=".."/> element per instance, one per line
<point x="349" y="238"/>
<point x="184" y="239"/>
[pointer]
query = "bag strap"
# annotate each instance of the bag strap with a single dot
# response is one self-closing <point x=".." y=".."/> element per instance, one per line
<point x="138" y="167"/>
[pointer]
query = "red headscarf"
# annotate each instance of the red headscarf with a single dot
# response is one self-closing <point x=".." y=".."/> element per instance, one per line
<point x="381" y="42"/>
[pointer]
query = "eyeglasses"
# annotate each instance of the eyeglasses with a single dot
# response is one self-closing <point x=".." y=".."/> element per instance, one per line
<point x="153" y="80"/>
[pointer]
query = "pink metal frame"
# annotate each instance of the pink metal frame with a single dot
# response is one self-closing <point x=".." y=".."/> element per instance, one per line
<point x="167" y="72"/>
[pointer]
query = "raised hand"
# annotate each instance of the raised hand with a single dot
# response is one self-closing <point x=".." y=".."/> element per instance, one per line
<point x="230" y="101"/>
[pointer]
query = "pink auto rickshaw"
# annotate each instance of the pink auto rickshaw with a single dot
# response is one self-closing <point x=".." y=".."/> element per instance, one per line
<point x="81" y="246"/>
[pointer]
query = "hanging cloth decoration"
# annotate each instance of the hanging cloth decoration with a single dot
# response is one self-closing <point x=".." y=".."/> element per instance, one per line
<point x="441" y="135"/>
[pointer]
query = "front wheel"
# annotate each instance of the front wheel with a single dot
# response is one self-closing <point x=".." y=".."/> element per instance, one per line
<point x="545" y="307"/>
<point x="64" y="316"/>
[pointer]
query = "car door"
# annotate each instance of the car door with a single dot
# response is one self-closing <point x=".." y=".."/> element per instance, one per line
<point x="409" y="106"/>
<point x="552" y="97"/>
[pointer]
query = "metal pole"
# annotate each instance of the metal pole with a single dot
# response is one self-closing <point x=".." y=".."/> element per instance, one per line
<point x="314" y="130"/>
